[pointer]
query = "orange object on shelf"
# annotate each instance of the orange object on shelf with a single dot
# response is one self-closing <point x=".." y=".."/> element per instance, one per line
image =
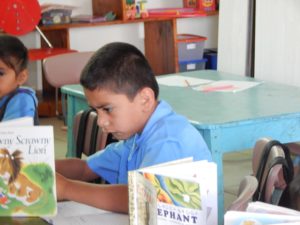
<point x="205" y="5"/>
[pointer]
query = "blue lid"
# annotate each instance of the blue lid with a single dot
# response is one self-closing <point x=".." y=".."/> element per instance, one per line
<point x="193" y="61"/>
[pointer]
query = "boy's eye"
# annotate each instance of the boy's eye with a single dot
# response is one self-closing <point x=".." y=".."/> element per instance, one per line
<point x="1" y="73"/>
<point x="108" y="109"/>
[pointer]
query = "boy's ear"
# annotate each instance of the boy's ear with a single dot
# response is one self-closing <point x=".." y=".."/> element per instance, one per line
<point x="147" y="98"/>
<point x="22" y="77"/>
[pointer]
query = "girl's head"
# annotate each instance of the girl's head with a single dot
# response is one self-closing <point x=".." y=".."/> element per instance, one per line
<point x="13" y="64"/>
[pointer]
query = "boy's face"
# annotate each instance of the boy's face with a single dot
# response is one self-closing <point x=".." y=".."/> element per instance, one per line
<point x="119" y="115"/>
<point x="9" y="81"/>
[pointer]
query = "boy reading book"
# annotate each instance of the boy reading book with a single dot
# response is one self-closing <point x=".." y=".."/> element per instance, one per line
<point x="120" y="85"/>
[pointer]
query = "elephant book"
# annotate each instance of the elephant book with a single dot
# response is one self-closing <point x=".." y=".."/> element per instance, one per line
<point x="175" y="193"/>
<point x="27" y="173"/>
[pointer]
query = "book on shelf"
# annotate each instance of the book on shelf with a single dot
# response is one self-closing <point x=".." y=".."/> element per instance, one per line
<point x="181" y="192"/>
<point x="262" y="213"/>
<point x="85" y="18"/>
<point x="27" y="173"/>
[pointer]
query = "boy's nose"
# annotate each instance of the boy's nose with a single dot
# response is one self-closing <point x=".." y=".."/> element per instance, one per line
<point x="102" y="121"/>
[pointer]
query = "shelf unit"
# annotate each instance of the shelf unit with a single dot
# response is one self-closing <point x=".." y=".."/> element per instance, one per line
<point x="159" y="32"/>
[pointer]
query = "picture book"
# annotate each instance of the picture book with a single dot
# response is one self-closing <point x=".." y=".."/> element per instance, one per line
<point x="179" y="192"/>
<point x="27" y="177"/>
<point x="258" y="213"/>
<point x="22" y="121"/>
<point x="252" y="218"/>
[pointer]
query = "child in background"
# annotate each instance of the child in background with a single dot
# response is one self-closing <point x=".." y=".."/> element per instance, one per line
<point x="15" y="101"/>
<point x="120" y="85"/>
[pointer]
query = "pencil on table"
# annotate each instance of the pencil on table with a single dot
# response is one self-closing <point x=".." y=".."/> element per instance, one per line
<point x="187" y="83"/>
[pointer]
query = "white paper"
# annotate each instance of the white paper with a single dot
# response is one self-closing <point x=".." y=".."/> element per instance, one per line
<point x="181" y="81"/>
<point x="75" y="213"/>
<point x="23" y="121"/>
<point x="226" y="86"/>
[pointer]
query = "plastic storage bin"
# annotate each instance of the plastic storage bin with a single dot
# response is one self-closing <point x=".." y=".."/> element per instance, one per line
<point x="190" y="47"/>
<point x="191" y="65"/>
<point x="212" y="58"/>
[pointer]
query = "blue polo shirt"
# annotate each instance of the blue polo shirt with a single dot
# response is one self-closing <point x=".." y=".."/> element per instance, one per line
<point x="167" y="136"/>
<point x="20" y="105"/>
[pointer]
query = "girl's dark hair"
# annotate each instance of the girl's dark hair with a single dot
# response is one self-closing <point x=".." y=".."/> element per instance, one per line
<point x="121" y="68"/>
<point x="13" y="53"/>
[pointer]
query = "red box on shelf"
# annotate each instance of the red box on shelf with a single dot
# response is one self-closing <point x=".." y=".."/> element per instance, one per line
<point x="205" y="5"/>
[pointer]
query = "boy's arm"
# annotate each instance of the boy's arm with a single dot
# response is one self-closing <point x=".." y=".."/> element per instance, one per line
<point x="76" y="169"/>
<point x="107" y="197"/>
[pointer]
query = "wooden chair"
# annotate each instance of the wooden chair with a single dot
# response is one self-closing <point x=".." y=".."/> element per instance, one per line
<point x="64" y="69"/>
<point x="246" y="190"/>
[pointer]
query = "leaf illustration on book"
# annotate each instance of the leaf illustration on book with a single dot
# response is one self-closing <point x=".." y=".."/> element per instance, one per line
<point x="176" y="192"/>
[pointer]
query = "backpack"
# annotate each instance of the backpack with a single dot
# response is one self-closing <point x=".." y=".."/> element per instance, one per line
<point x="273" y="168"/>
<point x="3" y="108"/>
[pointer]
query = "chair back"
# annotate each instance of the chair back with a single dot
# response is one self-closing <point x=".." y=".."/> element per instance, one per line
<point x="273" y="168"/>
<point x="246" y="190"/>
<point x="66" y="68"/>
<point x="88" y="136"/>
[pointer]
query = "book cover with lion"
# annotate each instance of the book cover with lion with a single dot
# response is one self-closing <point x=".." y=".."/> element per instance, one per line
<point x="27" y="173"/>
<point x="185" y="194"/>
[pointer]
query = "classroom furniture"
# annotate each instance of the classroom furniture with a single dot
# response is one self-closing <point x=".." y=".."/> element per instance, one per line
<point x="247" y="187"/>
<point x="64" y="69"/>
<point x="228" y="122"/>
<point x="159" y="32"/>
<point x="22" y="17"/>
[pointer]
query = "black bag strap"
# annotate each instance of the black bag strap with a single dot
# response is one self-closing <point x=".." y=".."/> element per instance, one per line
<point x="285" y="162"/>
<point x="17" y="91"/>
<point x="81" y="132"/>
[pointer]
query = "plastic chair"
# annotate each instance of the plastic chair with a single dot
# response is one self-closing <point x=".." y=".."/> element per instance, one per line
<point x="247" y="187"/>
<point x="87" y="135"/>
<point x="64" y="69"/>
<point x="275" y="182"/>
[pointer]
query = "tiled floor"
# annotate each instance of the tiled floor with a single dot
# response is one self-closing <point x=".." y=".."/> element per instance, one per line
<point x="236" y="165"/>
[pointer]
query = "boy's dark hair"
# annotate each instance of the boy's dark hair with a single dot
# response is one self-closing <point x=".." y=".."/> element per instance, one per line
<point x="121" y="68"/>
<point x="13" y="53"/>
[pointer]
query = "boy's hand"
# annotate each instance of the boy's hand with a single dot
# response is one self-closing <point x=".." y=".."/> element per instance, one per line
<point x="61" y="183"/>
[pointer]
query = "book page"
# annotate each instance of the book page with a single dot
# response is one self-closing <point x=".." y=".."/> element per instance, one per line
<point x="23" y="121"/>
<point x="262" y="207"/>
<point x="239" y="217"/>
<point x="181" y="81"/>
<point x="70" y="212"/>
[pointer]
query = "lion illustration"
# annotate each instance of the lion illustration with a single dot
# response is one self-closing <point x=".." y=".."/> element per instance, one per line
<point x="19" y="185"/>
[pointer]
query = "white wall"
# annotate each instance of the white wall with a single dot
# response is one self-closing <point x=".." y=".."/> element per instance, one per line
<point x="92" y="38"/>
<point x="277" y="56"/>
<point x="232" y="38"/>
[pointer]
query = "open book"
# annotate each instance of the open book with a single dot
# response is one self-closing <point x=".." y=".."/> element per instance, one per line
<point x="263" y="213"/>
<point x="179" y="192"/>
<point x="27" y="178"/>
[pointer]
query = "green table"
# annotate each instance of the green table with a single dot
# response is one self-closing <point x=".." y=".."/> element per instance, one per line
<point x="228" y="122"/>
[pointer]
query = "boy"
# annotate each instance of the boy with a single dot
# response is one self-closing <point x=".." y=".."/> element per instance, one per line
<point x="119" y="83"/>
<point x="15" y="101"/>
